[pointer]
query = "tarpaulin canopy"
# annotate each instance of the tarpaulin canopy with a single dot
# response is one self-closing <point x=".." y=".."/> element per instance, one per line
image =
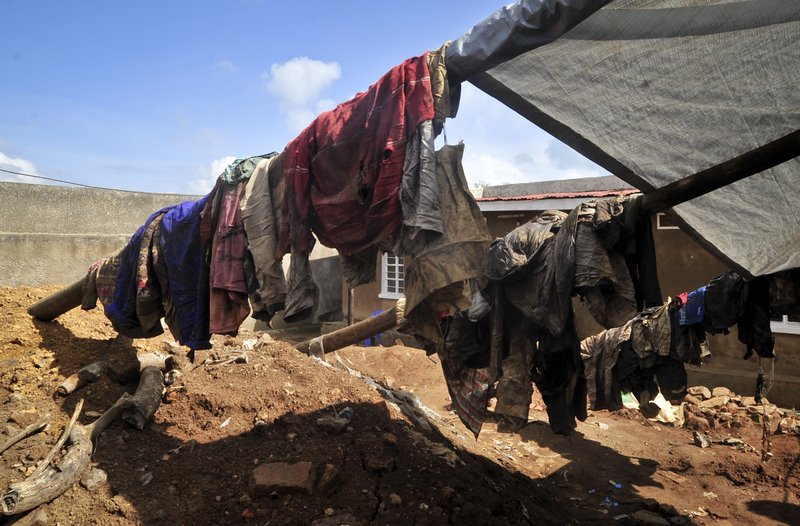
<point x="657" y="90"/>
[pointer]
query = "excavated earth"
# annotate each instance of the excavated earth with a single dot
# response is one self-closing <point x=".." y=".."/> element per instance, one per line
<point x="367" y="437"/>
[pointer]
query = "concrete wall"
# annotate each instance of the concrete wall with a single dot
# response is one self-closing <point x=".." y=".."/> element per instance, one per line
<point x="51" y="234"/>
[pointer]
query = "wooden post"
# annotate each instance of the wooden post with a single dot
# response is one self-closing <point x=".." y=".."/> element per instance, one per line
<point x="354" y="333"/>
<point x="58" y="303"/>
<point x="750" y="163"/>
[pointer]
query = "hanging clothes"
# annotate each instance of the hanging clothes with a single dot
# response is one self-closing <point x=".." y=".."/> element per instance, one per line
<point x="694" y="307"/>
<point x="261" y="227"/>
<point x="121" y="311"/>
<point x="241" y="169"/>
<point x="187" y="274"/>
<point x="222" y="228"/>
<point x="602" y="279"/>
<point x="600" y="354"/>
<point x="344" y="171"/>
<point x="652" y="331"/>
<point x="149" y="304"/>
<point x="436" y="275"/>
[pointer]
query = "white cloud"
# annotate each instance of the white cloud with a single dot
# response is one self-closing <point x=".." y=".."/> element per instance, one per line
<point x="225" y="67"/>
<point x="207" y="175"/>
<point x="299" y="81"/>
<point x="298" y="85"/>
<point x="17" y="164"/>
<point x="298" y="118"/>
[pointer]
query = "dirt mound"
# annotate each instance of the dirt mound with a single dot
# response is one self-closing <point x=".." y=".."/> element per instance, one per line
<point x="366" y="438"/>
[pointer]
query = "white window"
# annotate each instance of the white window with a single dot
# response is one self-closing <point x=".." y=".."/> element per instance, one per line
<point x="392" y="277"/>
<point x="785" y="324"/>
<point x="665" y="222"/>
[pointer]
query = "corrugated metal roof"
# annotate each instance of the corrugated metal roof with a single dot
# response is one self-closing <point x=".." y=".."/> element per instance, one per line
<point x="562" y="195"/>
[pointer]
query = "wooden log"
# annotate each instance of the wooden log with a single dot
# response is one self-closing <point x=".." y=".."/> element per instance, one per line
<point x="58" y="303"/>
<point x="90" y="373"/>
<point x="147" y="398"/>
<point x="354" y="333"/>
<point x="750" y="163"/>
<point x="50" y="481"/>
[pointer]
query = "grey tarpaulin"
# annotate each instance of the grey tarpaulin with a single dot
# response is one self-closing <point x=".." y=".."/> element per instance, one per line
<point x="657" y="90"/>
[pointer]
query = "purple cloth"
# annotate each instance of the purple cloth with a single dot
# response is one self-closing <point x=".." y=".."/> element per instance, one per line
<point x="187" y="271"/>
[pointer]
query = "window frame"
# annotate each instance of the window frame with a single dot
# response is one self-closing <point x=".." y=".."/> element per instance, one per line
<point x="659" y="226"/>
<point x="785" y="326"/>
<point x="399" y="280"/>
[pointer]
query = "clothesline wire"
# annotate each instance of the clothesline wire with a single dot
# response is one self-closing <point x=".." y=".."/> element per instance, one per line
<point x="63" y="181"/>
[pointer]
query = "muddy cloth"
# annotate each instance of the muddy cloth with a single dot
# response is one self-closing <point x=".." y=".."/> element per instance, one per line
<point x="161" y="273"/>
<point x="446" y="97"/>
<point x="732" y="300"/>
<point x="241" y="169"/>
<point x="100" y="281"/>
<point x="121" y="311"/>
<point x="534" y="265"/>
<point x="754" y="324"/>
<point x="627" y="230"/>
<point x="784" y="292"/>
<point x="419" y="195"/>
<point x="602" y="279"/>
<point x="303" y="293"/>
<point x="540" y="266"/>
<point x="515" y="387"/>
<point x="344" y="171"/>
<point x="645" y="377"/>
<point x="187" y="273"/>
<point x="651" y="331"/>
<point x="268" y="292"/>
<point x="359" y="269"/>
<point x="510" y="256"/>
<point x="725" y="301"/>
<point x="469" y="342"/>
<point x="149" y="307"/>
<point x="599" y="354"/>
<point x="469" y="391"/>
<point x="558" y="374"/>
<point x="221" y="226"/>
<point x="693" y="309"/>
<point x="436" y="275"/>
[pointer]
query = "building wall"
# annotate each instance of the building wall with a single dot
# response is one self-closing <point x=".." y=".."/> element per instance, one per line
<point x="51" y="234"/>
<point x="366" y="300"/>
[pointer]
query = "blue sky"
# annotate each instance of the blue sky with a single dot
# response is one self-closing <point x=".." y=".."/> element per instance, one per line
<point x="160" y="96"/>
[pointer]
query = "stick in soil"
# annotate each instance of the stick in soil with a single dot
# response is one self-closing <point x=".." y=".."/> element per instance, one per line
<point x="25" y="433"/>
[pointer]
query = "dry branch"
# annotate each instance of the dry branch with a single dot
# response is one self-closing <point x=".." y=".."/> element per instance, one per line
<point x="354" y="333"/>
<point x="50" y="480"/>
<point x="146" y="399"/>
<point x="90" y="373"/>
<point x="25" y="433"/>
